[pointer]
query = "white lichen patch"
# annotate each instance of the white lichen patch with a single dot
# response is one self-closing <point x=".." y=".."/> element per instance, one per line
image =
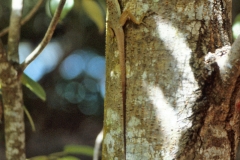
<point x="16" y="126"/>
<point x="110" y="142"/>
<point x="212" y="151"/>
<point x="143" y="150"/>
<point x="132" y="129"/>
<point x="113" y="117"/>
<point x="110" y="139"/>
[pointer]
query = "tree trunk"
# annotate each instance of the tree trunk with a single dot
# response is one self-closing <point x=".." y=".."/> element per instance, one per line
<point x="13" y="113"/>
<point x="182" y="83"/>
<point x="13" y="109"/>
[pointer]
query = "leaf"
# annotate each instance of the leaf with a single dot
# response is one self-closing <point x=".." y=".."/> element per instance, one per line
<point x="94" y="11"/>
<point x="79" y="149"/>
<point x="68" y="158"/>
<point x="39" y="158"/>
<point x="35" y="87"/>
<point x="57" y="154"/>
<point x="29" y="118"/>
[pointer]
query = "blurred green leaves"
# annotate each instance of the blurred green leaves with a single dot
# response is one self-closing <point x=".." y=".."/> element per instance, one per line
<point x="66" y="153"/>
<point x="69" y="158"/>
<point x="94" y="12"/>
<point x="78" y="149"/>
<point x="236" y="27"/>
<point x="51" y="6"/>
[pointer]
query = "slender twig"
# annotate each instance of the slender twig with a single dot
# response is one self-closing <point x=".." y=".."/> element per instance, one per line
<point x="14" y="30"/>
<point x="97" y="146"/>
<point x="29" y="118"/>
<point x="26" y="18"/>
<point x="46" y="38"/>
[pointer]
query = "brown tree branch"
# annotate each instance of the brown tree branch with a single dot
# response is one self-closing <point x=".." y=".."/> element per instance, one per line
<point x="26" y="18"/>
<point x="14" y="30"/>
<point x="46" y="38"/>
<point x="12" y="89"/>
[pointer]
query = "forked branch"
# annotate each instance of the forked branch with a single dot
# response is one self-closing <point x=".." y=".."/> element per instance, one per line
<point x="25" y="19"/>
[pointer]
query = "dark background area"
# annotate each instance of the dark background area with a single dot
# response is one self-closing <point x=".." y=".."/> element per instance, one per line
<point x="74" y="84"/>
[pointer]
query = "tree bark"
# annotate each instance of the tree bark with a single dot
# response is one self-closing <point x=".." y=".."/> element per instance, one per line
<point x="182" y="83"/>
<point x="13" y="109"/>
<point x="10" y="74"/>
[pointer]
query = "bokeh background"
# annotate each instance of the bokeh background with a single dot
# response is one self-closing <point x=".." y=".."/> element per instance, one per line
<point x="71" y="69"/>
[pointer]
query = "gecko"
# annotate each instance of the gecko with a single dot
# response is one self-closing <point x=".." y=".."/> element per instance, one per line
<point x="116" y="22"/>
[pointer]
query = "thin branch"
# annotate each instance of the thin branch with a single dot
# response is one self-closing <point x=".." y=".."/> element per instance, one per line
<point x="14" y="30"/>
<point x="97" y="146"/>
<point x="26" y="18"/>
<point x="46" y="38"/>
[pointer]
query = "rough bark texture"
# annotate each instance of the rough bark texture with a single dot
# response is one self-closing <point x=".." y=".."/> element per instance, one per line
<point x="182" y="94"/>
<point x="13" y="114"/>
<point x="12" y="88"/>
<point x="13" y="109"/>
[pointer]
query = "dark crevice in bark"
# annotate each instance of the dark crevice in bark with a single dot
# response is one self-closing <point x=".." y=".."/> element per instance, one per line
<point x="201" y="40"/>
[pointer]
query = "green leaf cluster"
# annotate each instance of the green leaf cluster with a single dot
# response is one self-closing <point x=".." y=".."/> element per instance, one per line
<point x="66" y="153"/>
<point x="236" y="27"/>
<point x="95" y="13"/>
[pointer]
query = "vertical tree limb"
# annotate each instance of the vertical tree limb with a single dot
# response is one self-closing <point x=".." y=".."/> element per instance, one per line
<point x="12" y="89"/>
<point x="10" y="73"/>
<point x="25" y="19"/>
<point x="14" y="30"/>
